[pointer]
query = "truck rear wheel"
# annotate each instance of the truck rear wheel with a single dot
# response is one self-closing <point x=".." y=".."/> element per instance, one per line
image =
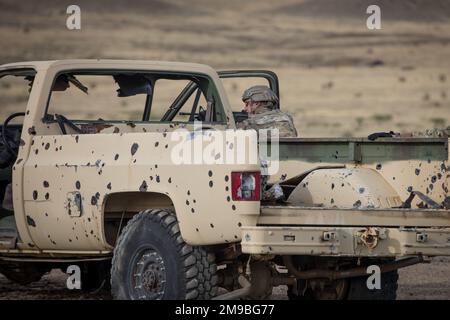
<point x="151" y="261"/>
<point x="358" y="288"/>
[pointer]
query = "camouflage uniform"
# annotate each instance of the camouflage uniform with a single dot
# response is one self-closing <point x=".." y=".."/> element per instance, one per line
<point x="268" y="115"/>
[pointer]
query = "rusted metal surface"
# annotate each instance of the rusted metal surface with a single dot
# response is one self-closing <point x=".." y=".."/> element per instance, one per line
<point x="298" y="216"/>
<point x="346" y="241"/>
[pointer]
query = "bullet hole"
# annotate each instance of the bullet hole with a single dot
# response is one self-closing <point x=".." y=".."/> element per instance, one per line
<point x="212" y="226"/>
<point x="36" y="151"/>
<point x="304" y="185"/>
<point x="410" y="189"/>
<point x="439" y="176"/>
<point x="76" y="139"/>
<point x="239" y="224"/>
<point x="158" y="179"/>
<point x="194" y="201"/>
<point x="89" y="219"/>
<point x="192" y="210"/>
<point x="196" y="229"/>
<point x="70" y="240"/>
<point x="116" y="156"/>
<point x="156" y="143"/>
<point x="46" y="184"/>
<point x="164" y="134"/>
<point x="143" y="186"/>
<point x="32" y="130"/>
<point x="108" y="186"/>
<point x="187" y="202"/>
<point x="47" y="195"/>
<point x="60" y="147"/>
<point x="78" y="185"/>
<point x="228" y="199"/>
<point x="361" y="190"/>
<point x="35" y="195"/>
<point x="332" y="186"/>
<point x="134" y="148"/>
<point x="188" y="192"/>
<point x="28" y="112"/>
<point x="446" y="203"/>
<point x="393" y="178"/>
<point x="342" y="184"/>
<point x="227" y="188"/>
<point x="429" y="160"/>
<point x="166" y="146"/>
<point x="332" y="200"/>
<point x="32" y="142"/>
<point x="357" y="204"/>
<point x="134" y="161"/>
<point x="92" y="231"/>
<point x="233" y="207"/>
<point x="46" y="214"/>
<point x="417" y="171"/>
<point x="22" y="143"/>
<point x="170" y="180"/>
<point x="211" y="184"/>
<point x="151" y="178"/>
<point x="227" y="178"/>
<point x="156" y="166"/>
<point x="433" y="179"/>
<point x="93" y="200"/>
<point x="378" y="166"/>
<point x="30" y="221"/>
<point x="431" y="186"/>
<point x="116" y="130"/>
<point x="210" y="173"/>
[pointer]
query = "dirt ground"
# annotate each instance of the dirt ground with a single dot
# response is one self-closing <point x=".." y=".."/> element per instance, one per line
<point x="337" y="77"/>
<point x="428" y="281"/>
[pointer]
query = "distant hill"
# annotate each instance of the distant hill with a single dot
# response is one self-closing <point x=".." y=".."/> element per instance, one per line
<point x="404" y="10"/>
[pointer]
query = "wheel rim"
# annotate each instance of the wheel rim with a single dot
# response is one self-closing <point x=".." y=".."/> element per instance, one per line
<point x="148" y="275"/>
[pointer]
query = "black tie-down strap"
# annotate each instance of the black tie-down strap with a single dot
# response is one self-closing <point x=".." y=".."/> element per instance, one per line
<point x="427" y="200"/>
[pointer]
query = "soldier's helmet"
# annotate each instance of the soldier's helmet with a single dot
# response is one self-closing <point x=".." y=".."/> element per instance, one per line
<point x="261" y="94"/>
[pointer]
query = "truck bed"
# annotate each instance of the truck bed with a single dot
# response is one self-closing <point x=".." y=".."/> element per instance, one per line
<point x="296" y="230"/>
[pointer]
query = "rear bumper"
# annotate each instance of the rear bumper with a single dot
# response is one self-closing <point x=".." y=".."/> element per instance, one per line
<point x="346" y="241"/>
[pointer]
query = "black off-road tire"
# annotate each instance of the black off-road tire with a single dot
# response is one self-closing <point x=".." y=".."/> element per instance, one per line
<point x="358" y="288"/>
<point x="189" y="272"/>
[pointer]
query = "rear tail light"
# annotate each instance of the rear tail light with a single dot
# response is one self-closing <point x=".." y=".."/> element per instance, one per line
<point x="246" y="186"/>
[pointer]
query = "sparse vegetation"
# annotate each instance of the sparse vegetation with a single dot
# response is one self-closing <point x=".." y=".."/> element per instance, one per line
<point x="382" y="117"/>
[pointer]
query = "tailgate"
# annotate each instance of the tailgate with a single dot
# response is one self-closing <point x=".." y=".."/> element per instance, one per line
<point x="289" y="230"/>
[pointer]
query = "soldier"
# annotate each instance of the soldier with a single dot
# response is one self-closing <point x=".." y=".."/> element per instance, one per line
<point x="261" y="105"/>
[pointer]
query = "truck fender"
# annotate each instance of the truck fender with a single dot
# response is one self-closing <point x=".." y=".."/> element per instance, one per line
<point x="345" y="188"/>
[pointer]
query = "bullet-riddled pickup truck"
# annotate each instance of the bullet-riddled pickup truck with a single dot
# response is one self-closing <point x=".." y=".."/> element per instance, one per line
<point x="95" y="172"/>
